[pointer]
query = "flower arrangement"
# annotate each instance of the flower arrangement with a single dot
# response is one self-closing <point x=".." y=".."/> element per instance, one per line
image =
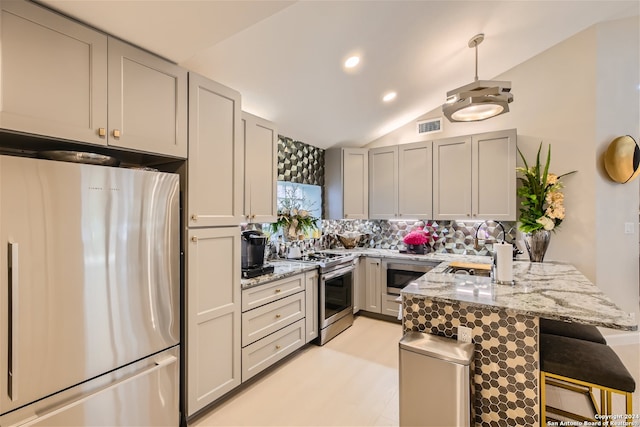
<point x="293" y="219"/>
<point x="416" y="239"/>
<point x="542" y="205"/>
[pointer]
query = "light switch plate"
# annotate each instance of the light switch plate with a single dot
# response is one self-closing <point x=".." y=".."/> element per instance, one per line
<point x="629" y="228"/>
<point x="464" y="334"/>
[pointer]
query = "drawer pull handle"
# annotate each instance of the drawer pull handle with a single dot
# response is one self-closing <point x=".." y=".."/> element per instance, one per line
<point x="102" y="132"/>
<point x="116" y="133"/>
<point x="194" y="239"/>
<point x="278" y="316"/>
<point x="278" y="347"/>
<point x="278" y="291"/>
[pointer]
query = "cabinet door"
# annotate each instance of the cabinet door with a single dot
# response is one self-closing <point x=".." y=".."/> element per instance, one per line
<point x="359" y="282"/>
<point x="311" y="310"/>
<point x="452" y="178"/>
<point x="415" y="180"/>
<point x="260" y="169"/>
<point x="215" y="166"/>
<point x="355" y="173"/>
<point x="54" y="74"/>
<point x="147" y="102"/>
<point x="213" y="347"/>
<point x="494" y="176"/>
<point x="383" y="182"/>
<point x="373" y="293"/>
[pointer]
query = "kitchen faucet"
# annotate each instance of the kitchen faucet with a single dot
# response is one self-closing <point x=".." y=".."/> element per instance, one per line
<point x="516" y="251"/>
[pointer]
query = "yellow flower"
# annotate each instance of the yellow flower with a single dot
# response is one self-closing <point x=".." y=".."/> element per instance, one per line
<point x="552" y="179"/>
<point x="554" y="197"/>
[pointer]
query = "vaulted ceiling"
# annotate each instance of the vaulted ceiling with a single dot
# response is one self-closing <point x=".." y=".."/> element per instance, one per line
<point x="286" y="57"/>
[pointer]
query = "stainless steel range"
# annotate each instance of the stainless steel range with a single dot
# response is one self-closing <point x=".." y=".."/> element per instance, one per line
<point x="336" y="292"/>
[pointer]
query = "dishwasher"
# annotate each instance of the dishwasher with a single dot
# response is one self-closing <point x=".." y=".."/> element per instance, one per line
<point x="435" y="380"/>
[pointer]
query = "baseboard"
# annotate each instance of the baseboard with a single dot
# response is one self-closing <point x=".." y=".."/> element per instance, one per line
<point x="621" y="338"/>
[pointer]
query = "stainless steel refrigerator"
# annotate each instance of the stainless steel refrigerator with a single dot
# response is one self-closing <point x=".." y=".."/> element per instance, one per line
<point x="89" y="295"/>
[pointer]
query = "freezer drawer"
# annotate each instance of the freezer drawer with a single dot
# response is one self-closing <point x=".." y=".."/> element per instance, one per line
<point x="144" y="393"/>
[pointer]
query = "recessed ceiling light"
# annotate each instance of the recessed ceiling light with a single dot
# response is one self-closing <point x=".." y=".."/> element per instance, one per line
<point x="389" y="96"/>
<point x="352" y="61"/>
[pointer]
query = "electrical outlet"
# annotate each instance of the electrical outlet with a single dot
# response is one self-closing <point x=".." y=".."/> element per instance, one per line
<point x="629" y="228"/>
<point x="464" y="334"/>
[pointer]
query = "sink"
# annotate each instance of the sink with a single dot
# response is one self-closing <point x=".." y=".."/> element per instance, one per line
<point x="469" y="271"/>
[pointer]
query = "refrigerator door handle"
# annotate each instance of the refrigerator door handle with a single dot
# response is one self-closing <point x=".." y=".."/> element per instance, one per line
<point x="13" y="333"/>
<point x="158" y="364"/>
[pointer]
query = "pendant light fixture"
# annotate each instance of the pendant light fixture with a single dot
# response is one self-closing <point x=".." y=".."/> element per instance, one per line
<point x="479" y="100"/>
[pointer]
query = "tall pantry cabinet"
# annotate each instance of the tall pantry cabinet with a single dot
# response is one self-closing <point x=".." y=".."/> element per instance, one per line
<point x="214" y="212"/>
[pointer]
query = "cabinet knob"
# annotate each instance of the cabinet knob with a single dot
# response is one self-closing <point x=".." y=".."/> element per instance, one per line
<point x="194" y="239"/>
<point x="278" y="291"/>
<point x="278" y="347"/>
<point x="468" y="214"/>
<point x="346" y="215"/>
<point x="116" y="133"/>
<point x="278" y="316"/>
<point x="194" y="217"/>
<point x="102" y="132"/>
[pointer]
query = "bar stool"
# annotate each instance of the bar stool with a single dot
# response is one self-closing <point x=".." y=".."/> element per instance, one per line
<point x="582" y="366"/>
<point x="571" y="330"/>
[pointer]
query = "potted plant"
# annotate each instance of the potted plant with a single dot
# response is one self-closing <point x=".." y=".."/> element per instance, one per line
<point x="542" y="205"/>
<point x="293" y="220"/>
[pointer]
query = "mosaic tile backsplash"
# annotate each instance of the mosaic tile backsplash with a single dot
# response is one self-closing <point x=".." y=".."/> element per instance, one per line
<point x="454" y="237"/>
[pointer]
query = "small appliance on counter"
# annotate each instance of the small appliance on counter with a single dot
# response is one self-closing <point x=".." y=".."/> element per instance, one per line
<point x="252" y="257"/>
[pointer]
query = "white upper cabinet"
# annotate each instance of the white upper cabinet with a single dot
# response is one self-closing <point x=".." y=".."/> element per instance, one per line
<point x="415" y="180"/>
<point x="216" y="151"/>
<point x="260" y="169"/>
<point x="383" y="182"/>
<point x="494" y="172"/>
<point x="400" y="181"/>
<point x="64" y="80"/>
<point x="54" y="74"/>
<point x="346" y="183"/>
<point x="147" y="102"/>
<point x="474" y="177"/>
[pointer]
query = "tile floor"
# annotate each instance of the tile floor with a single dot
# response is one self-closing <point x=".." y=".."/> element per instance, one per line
<point x="350" y="381"/>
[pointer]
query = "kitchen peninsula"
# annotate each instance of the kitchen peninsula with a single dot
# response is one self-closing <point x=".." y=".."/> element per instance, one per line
<point x="504" y="321"/>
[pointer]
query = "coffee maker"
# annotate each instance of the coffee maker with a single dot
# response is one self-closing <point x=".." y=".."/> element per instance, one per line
<point x="254" y="243"/>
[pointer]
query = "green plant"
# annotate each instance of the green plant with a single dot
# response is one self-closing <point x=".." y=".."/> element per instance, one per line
<point x="542" y="205"/>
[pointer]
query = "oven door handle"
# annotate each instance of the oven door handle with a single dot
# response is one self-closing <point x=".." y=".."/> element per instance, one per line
<point x="336" y="273"/>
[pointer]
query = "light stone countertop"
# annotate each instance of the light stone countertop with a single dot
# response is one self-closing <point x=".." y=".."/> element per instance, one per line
<point x="282" y="269"/>
<point x="550" y="290"/>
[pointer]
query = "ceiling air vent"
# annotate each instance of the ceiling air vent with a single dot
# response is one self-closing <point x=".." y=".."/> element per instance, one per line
<point x="430" y="126"/>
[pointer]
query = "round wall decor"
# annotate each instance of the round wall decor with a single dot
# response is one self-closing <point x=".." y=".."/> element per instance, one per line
<point x="622" y="159"/>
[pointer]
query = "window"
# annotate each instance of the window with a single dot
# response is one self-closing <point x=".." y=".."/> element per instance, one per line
<point x="308" y="197"/>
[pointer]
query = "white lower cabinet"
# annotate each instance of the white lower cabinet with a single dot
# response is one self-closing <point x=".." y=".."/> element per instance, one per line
<point x="213" y="315"/>
<point x="312" y="309"/>
<point x="263" y="353"/>
<point x="273" y="322"/>
<point x="390" y="307"/>
<point x="373" y="292"/>
<point x="359" y="282"/>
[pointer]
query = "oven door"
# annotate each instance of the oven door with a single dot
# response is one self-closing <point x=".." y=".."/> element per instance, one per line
<point x="336" y="290"/>
<point x="397" y="275"/>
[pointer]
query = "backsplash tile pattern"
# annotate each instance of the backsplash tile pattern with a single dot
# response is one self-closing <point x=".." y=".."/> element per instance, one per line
<point x="505" y="369"/>
<point x="299" y="162"/>
<point x="454" y="237"/>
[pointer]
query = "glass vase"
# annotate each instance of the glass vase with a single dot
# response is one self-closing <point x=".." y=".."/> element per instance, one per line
<point x="537" y="243"/>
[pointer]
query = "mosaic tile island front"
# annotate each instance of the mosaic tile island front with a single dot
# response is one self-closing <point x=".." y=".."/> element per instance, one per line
<point x="504" y="320"/>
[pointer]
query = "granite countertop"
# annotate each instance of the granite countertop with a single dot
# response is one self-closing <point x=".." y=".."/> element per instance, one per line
<point x="282" y="269"/>
<point x="433" y="257"/>
<point x="551" y="290"/>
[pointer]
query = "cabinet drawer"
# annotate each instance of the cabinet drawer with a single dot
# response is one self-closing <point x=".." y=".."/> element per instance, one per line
<point x="264" y="320"/>
<point x="261" y="295"/>
<point x="267" y="351"/>
<point x="391" y="307"/>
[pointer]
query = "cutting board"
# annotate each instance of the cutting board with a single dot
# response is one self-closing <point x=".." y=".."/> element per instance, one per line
<point x="477" y="266"/>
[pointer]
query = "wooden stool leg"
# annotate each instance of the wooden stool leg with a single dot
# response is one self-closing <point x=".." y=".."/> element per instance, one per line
<point x="543" y="399"/>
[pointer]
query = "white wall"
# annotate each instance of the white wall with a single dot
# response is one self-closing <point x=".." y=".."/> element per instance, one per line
<point x="577" y="96"/>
